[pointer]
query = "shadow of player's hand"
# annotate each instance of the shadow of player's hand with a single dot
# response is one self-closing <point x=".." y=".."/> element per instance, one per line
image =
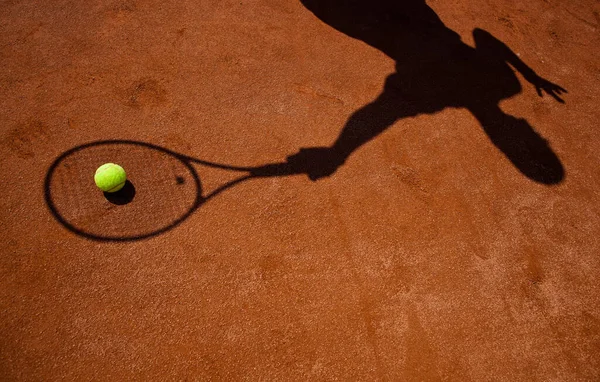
<point x="316" y="162"/>
<point x="552" y="89"/>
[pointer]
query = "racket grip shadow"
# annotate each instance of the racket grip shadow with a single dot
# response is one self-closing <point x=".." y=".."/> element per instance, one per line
<point x="274" y="169"/>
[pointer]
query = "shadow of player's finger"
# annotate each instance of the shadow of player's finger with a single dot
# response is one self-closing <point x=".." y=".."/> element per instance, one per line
<point x="555" y="95"/>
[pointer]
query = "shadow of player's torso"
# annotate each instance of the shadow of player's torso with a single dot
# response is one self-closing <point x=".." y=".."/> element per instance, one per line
<point x="434" y="68"/>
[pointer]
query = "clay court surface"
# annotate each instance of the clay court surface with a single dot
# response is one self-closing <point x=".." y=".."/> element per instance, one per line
<point x="453" y="235"/>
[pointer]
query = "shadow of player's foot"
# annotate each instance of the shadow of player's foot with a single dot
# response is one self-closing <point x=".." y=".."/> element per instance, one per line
<point x="527" y="150"/>
<point x="124" y="196"/>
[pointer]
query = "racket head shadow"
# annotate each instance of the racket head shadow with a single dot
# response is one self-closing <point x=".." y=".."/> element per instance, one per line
<point x="163" y="189"/>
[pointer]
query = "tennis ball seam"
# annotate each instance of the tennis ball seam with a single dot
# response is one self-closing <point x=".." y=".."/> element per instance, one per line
<point x="117" y="187"/>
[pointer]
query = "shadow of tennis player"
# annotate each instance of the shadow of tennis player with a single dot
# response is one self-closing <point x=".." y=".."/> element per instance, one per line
<point x="434" y="70"/>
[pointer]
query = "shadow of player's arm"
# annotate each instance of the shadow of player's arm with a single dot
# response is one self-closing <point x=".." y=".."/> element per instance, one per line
<point x="493" y="48"/>
<point x="364" y="125"/>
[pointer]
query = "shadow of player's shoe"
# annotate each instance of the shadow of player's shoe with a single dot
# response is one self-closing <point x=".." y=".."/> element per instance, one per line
<point x="527" y="150"/>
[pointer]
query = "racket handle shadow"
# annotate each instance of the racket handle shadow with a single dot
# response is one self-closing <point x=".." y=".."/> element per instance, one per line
<point x="274" y="170"/>
<point x="266" y="171"/>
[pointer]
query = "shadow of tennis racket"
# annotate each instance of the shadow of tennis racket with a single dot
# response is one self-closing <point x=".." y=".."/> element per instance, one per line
<point x="164" y="189"/>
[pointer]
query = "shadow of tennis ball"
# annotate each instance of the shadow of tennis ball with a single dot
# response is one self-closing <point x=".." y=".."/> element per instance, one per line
<point x="124" y="196"/>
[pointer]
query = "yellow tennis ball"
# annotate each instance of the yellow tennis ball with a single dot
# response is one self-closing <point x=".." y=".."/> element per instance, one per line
<point x="110" y="177"/>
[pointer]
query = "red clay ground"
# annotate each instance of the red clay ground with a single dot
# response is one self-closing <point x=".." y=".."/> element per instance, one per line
<point x="428" y="255"/>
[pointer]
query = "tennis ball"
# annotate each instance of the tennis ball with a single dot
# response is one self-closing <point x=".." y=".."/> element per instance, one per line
<point x="110" y="177"/>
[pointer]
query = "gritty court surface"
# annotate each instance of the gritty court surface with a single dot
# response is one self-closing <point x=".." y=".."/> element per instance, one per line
<point x="436" y="249"/>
